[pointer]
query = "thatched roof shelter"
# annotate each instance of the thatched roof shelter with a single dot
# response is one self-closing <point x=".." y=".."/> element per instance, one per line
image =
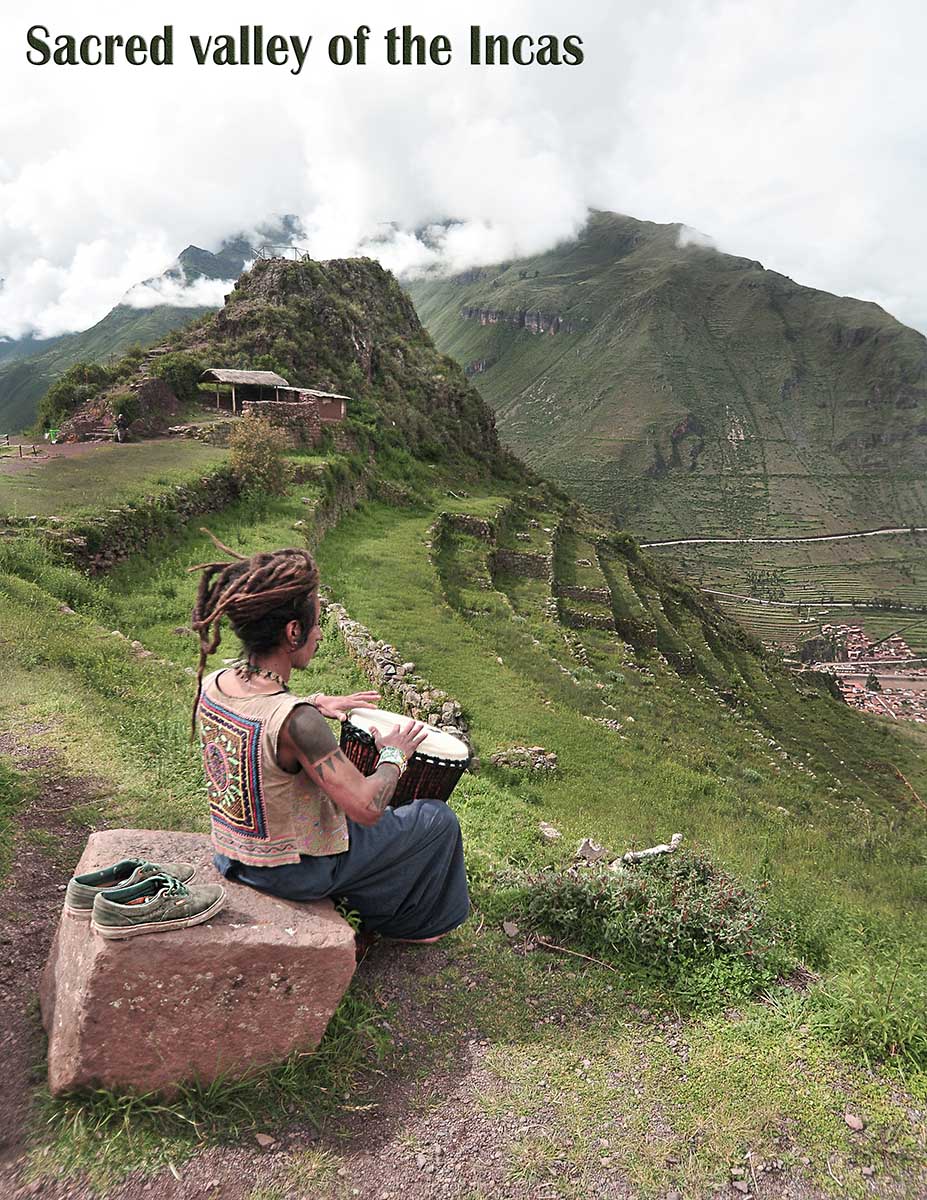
<point x="245" y="385"/>
<point x="257" y="378"/>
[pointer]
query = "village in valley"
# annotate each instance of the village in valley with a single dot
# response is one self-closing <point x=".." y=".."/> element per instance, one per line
<point x="884" y="677"/>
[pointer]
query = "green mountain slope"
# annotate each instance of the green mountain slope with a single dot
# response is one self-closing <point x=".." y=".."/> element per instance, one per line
<point x="344" y="326"/>
<point x="28" y="367"/>
<point x="691" y="393"/>
<point x="553" y="630"/>
<point x="24" y="381"/>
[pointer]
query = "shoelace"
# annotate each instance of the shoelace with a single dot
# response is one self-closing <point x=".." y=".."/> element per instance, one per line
<point x="173" y="887"/>
<point x="143" y="863"/>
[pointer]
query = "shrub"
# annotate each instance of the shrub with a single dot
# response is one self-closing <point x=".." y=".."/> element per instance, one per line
<point x="79" y="383"/>
<point x="877" y="1007"/>
<point x="126" y="403"/>
<point x="675" y="915"/>
<point x="257" y="456"/>
<point x="181" y="372"/>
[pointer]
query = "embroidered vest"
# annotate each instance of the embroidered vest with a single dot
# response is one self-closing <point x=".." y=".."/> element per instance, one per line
<point x="260" y="814"/>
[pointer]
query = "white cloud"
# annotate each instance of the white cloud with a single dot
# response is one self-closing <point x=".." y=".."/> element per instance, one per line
<point x="201" y="293"/>
<point x="787" y="132"/>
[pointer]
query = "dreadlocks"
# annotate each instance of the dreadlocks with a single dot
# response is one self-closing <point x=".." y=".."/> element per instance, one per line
<point x="260" y="595"/>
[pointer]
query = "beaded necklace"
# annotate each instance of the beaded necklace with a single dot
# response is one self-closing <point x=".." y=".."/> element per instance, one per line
<point x="248" y="669"/>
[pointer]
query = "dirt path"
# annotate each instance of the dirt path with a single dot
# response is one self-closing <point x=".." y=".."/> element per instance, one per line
<point x="45" y="848"/>
<point x="12" y="464"/>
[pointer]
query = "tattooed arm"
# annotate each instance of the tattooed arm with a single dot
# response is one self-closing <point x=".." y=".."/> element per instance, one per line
<point x="308" y="739"/>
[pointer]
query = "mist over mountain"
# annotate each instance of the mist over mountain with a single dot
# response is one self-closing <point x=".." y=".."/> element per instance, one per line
<point x="687" y="392"/>
<point x="195" y="283"/>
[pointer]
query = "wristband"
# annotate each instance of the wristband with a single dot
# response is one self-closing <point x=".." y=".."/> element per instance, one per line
<point x="395" y="757"/>
<point x="314" y="699"/>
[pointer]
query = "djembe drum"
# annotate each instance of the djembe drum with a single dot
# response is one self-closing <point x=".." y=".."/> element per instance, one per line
<point x="433" y="769"/>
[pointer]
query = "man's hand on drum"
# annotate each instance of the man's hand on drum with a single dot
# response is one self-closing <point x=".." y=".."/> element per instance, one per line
<point x="337" y="707"/>
<point x="407" y="740"/>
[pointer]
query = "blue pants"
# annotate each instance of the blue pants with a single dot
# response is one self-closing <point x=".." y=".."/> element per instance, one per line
<point x="405" y="875"/>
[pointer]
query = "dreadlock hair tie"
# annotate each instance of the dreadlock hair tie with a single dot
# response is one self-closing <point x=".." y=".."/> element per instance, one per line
<point x="245" y="590"/>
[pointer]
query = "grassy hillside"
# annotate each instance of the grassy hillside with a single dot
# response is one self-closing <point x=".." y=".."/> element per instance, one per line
<point x="24" y="381"/>
<point x="785" y="786"/>
<point x="608" y="1074"/>
<point x="69" y="488"/>
<point x="687" y="393"/>
<point x="693" y="390"/>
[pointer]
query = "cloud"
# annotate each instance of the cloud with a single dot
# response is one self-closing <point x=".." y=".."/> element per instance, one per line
<point x="692" y="237"/>
<point x="201" y="293"/>
<point x="788" y="133"/>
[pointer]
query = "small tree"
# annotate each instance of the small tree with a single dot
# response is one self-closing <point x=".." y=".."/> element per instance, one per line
<point x="79" y="383"/>
<point x="181" y="372"/>
<point x="872" y="682"/>
<point x="257" y="456"/>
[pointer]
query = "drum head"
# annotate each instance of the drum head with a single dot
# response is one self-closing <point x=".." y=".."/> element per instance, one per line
<point x="437" y="744"/>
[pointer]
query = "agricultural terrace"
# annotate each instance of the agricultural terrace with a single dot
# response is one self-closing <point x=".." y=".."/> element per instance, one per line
<point x="504" y="1064"/>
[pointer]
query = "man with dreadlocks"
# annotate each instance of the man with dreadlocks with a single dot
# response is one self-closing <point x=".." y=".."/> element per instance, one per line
<point x="291" y="815"/>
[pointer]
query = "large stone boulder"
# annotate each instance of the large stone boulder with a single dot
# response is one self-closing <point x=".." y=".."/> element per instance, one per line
<point x="246" y="989"/>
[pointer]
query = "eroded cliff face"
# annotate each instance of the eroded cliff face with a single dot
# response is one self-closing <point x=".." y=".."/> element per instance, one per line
<point x="531" y="320"/>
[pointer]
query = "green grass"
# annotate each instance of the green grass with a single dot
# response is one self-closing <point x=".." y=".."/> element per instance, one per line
<point x="15" y="789"/>
<point x="847" y="872"/>
<point x="70" y="487"/>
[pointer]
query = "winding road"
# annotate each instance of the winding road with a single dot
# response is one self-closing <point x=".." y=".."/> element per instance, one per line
<point x="786" y="541"/>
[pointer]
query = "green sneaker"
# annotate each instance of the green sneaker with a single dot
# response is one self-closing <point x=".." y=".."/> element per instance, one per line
<point x="154" y="905"/>
<point x="83" y="889"/>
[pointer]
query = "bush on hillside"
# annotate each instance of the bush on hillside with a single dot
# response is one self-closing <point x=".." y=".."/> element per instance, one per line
<point x="78" y="384"/>
<point x="126" y="403"/>
<point x="257" y="453"/>
<point x="181" y="372"/>
<point x="680" y="916"/>
<point x="127" y="366"/>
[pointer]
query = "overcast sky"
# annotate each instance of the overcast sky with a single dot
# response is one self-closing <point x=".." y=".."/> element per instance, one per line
<point x="789" y="132"/>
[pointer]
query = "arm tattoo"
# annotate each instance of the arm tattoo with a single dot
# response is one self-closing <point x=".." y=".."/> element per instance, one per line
<point x="387" y="777"/>
<point x="329" y="764"/>
<point x="313" y="738"/>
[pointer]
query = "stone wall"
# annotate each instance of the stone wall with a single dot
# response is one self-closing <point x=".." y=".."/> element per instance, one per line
<point x="299" y="419"/>
<point x="517" y="562"/>
<point x="573" y="591"/>
<point x="341" y="497"/>
<point x="585" y="620"/>
<point x="98" y="543"/>
<point x="212" y="433"/>
<point x="464" y="523"/>
<point x="401" y="687"/>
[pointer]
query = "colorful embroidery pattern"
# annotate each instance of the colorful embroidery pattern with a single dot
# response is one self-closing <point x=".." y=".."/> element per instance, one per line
<point x="231" y="756"/>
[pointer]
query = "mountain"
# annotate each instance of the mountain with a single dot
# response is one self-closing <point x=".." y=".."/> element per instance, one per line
<point x="774" y="963"/>
<point x="687" y="392"/>
<point x="30" y="365"/>
<point x="342" y="326"/>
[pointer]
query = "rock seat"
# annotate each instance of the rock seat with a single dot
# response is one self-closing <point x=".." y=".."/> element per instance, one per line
<point x="244" y="990"/>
